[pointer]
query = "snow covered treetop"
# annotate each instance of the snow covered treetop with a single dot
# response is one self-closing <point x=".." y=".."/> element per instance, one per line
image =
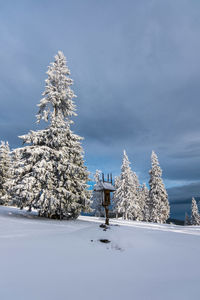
<point x="58" y="96"/>
<point x="156" y="169"/>
<point x="126" y="162"/>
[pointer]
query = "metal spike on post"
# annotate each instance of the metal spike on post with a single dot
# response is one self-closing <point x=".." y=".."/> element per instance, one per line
<point x="103" y="177"/>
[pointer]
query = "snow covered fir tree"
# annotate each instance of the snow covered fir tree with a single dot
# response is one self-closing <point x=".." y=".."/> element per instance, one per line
<point x="15" y="173"/>
<point x="123" y="193"/>
<point x="5" y="172"/>
<point x="138" y="200"/>
<point x="144" y="194"/>
<point x="126" y="197"/>
<point x="158" y="198"/>
<point x="115" y="199"/>
<point x="187" y="220"/>
<point x="52" y="176"/>
<point x="195" y="217"/>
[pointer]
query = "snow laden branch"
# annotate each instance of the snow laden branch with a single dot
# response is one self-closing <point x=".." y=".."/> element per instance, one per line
<point x="5" y="172"/>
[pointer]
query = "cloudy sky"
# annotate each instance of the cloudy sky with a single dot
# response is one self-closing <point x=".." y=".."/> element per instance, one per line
<point x="136" y="71"/>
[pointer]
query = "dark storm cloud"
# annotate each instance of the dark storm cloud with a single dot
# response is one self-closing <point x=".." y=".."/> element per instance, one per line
<point x="181" y="198"/>
<point x="182" y="193"/>
<point x="136" y="71"/>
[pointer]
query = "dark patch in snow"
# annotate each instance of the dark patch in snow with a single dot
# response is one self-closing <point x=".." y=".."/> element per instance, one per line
<point x="105" y="241"/>
<point x="104" y="226"/>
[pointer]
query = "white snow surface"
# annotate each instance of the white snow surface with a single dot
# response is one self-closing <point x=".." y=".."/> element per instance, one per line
<point x="47" y="259"/>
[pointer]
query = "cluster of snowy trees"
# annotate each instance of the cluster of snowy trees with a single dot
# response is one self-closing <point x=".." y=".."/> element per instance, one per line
<point x="48" y="173"/>
<point x="195" y="216"/>
<point x="134" y="201"/>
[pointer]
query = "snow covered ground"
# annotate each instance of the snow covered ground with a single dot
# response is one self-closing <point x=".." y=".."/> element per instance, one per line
<point x="46" y="259"/>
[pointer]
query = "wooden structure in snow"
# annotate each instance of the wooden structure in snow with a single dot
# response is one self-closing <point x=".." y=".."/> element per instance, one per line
<point x="106" y="187"/>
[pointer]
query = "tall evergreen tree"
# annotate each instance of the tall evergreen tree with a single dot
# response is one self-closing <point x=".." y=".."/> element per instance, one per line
<point x="5" y="174"/>
<point x="187" y="220"/>
<point x="137" y="202"/>
<point x="124" y="190"/>
<point x="159" y="205"/>
<point x="16" y="173"/>
<point x="53" y="177"/>
<point x="195" y="218"/>
<point x="127" y="192"/>
<point x="145" y="199"/>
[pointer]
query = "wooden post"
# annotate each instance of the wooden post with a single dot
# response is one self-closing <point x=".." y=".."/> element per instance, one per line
<point x="103" y="198"/>
<point x="106" y="203"/>
<point x="107" y="218"/>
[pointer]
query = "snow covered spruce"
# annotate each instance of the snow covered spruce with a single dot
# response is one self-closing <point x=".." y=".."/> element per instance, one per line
<point x="51" y="175"/>
<point x="195" y="217"/>
<point x="144" y="194"/>
<point x="129" y="199"/>
<point x="158" y="198"/>
<point x="5" y="172"/>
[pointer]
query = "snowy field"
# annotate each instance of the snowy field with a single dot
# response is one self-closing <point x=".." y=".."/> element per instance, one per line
<point x="46" y="259"/>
